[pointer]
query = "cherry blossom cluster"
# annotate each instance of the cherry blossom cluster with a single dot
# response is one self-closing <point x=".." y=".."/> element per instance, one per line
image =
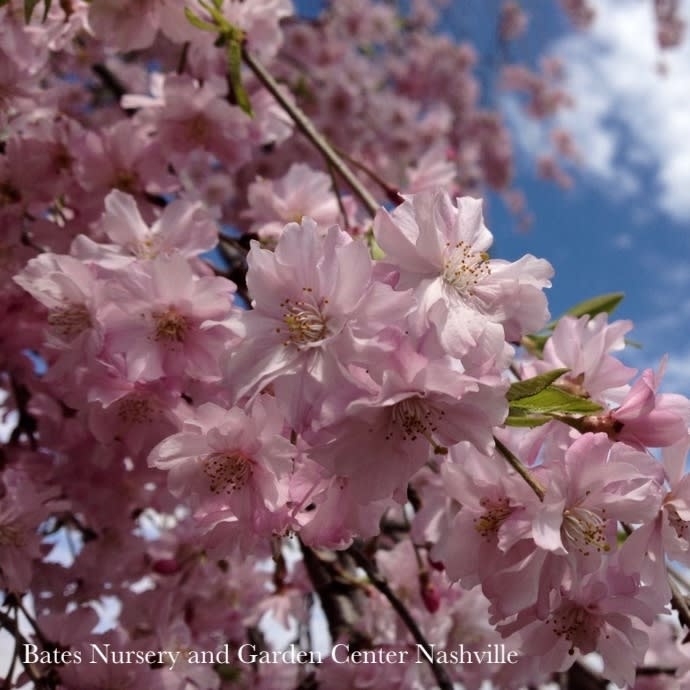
<point x="259" y="353"/>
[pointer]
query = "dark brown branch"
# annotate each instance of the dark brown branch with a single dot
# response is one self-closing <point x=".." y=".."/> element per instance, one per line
<point x="112" y="84"/>
<point x="340" y="598"/>
<point x="26" y="425"/>
<point x="393" y="194"/>
<point x="380" y="583"/>
<point x="37" y="678"/>
<point x="579" y="677"/>
<point x="305" y="125"/>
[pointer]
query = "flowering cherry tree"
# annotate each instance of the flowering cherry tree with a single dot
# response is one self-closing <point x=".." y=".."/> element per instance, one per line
<point x="276" y="415"/>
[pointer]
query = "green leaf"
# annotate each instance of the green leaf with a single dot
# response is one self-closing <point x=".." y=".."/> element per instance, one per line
<point x="523" y="389"/>
<point x="522" y="418"/>
<point x="596" y="305"/>
<point x="374" y="249"/>
<point x="198" y="22"/>
<point x="218" y="17"/>
<point x="235" y="71"/>
<point x="554" y="400"/>
<point x="593" y="306"/>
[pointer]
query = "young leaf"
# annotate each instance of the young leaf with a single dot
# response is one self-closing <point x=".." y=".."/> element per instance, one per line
<point x="597" y="305"/>
<point x="552" y="399"/>
<point x="235" y="72"/>
<point x="522" y="418"/>
<point x="593" y="306"/>
<point x="197" y="21"/>
<point x="523" y="389"/>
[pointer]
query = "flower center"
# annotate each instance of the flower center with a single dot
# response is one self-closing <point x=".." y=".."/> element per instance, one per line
<point x="463" y="269"/>
<point x="135" y="410"/>
<point x="146" y="249"/>
<point x="70" y="321"/>
<point x="6" y="253"/>
<point x="170" y="326"/>
<point x="125" y="181"/>
<point x="227" y="472"/>
<point x="10" y="535"/>
<point x="305" y="323"/>
<point x="198" y="128"/>
<point x="577" y="625"/>
<point x="583" y="529"/>
<point x="9" y="194"/>
<point x="495" y="512"/>
<point x="414" y="417"/>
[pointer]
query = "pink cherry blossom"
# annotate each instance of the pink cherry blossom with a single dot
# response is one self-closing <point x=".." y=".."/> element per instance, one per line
<point x="300" y="192"/>
<point x="169" y="321"/>
<point x="182" y="228"/>
<point x="441" y="250"/>
<point x="315" y="304"/>
<point x="229" y="458"/>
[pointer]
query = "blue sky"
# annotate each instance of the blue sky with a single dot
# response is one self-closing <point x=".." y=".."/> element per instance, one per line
<point x="625" y="225"/>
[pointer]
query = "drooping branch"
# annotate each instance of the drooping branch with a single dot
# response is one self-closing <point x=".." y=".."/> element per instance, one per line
<point x="380" y="583"/>
<point x="305" y="125"/>
<point x="40" y="681"/>
<point x="341" y="598"/>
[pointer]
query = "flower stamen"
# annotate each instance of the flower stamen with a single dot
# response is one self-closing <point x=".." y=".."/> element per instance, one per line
<point x="227" y="472"/>
<point x="413" y="417"/>
<point x="463" y="268"/>
<point x="71" y="320"/>
<point x="583" y="529"/>
<point x="495" y="513"/>
<point x="305" y="323"/>
<point x="170" y="326"/>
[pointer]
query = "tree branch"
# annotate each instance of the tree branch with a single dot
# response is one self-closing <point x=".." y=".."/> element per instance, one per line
<point x="305" y="125"/>
<point x="369" y="568"/>
<point x="515" y="463"/>
<point x="36" y="677"/>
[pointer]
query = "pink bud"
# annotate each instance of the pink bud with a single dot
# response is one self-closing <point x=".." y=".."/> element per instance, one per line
<point x="166" y="566"/>
<point x="437" y="565"/>
<point x="431" y="597"/>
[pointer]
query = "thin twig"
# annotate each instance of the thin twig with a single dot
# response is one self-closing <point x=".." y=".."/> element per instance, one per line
<point x="34" y="624"/>
<point x="515" y="463"/>
<point x="341" y="205"/>
<point x="13" y="629"/>
<point x="393" y="194"/>
<point x="10" y="671"/>
<point x="305" y="125"/>
<point x="182" y="63"/>
<point x="369" y="568"/>
<point x="679" y="577"/>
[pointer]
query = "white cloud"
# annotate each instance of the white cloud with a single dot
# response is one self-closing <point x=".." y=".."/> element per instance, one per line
<point x="628" y="117"/>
